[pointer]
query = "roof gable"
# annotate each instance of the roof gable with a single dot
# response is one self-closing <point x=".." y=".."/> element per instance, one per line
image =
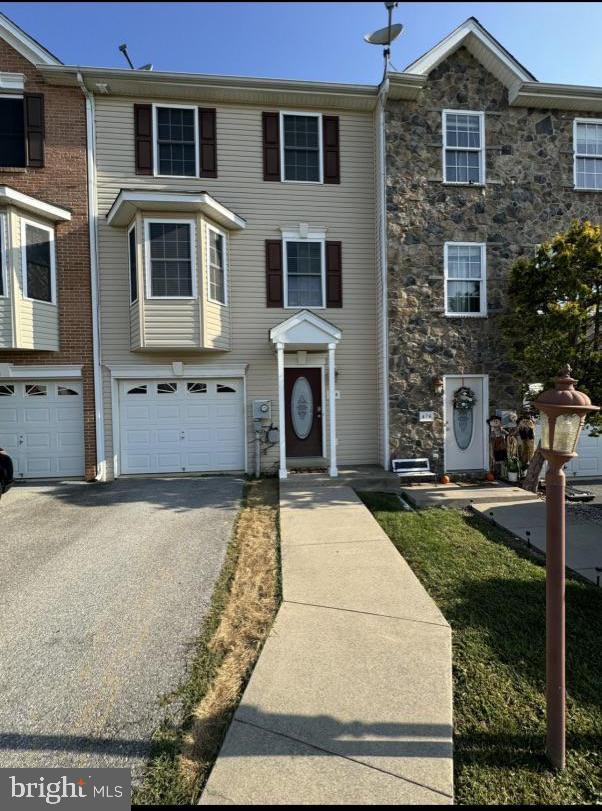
<point x="27" y="46"/>
<point x="483" y="46"/>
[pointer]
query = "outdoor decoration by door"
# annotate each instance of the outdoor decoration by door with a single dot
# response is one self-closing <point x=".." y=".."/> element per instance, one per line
<point x="465" y="401"/>
<point x="303" y="396"/>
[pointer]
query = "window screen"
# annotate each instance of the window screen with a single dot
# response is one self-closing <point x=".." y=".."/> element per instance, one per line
<point x="170" y="259"/>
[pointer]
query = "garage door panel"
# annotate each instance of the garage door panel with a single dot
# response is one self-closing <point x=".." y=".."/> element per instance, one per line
<point x="189" y="428"/>
<point x="42" y="427"/>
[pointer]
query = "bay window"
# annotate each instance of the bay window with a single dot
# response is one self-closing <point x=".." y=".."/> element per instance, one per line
<point x="38" y="262"/>
<point x="170" y="265"/>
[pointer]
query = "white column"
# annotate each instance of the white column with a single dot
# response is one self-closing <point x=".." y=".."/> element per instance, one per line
<point x="281" y="411"/>
<point x="332" y="411"/>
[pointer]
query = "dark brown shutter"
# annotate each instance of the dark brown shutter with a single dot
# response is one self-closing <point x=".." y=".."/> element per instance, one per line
<point x="271" y="146"/>
<point x="334" y="275"/>
<point x="273" y="272"/>
<point x="143" y="133"/>
<point x="207" y="142"/>
<point x="34" y="129"/>
<point x="330" y="140"/>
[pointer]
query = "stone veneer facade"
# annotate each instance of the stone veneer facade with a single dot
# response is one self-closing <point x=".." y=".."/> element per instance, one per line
<point x="528" y="197"/>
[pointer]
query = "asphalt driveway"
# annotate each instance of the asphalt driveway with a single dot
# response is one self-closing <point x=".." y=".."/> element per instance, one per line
<point x="102" y="588"/>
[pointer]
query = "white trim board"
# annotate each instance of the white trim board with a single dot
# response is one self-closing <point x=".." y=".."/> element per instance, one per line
<point x="18" y="372"/>
<point x="187" y="370"/>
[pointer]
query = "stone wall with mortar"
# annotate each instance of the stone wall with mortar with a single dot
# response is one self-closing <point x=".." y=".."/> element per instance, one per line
<point x="528" y="197"/>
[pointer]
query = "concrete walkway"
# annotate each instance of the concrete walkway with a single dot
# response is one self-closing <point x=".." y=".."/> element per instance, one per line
<point x="527" y="520"/>
<point x="351" y="700"/>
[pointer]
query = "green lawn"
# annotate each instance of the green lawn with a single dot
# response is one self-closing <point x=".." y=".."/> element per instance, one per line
<point x="493" y="596"/>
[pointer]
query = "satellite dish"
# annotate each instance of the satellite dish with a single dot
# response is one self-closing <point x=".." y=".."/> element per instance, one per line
<point x="384" y="36"/>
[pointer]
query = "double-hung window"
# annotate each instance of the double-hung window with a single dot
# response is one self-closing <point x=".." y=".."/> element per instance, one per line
<point x="301" y="152"/>
<point x="3" y="263"/>
<point x="170" y="264"/>
<point x="176" y="141"/>
<point x="38" y="262"/>
<point x="465" y="279"/>
<point x="587" y="137"/>
<point x="463" y="147"/>
<point x="304" y="278"/>
<point x="216" y="265"/>
<point x="132" y="257"/>
<point x="12" y="131"/>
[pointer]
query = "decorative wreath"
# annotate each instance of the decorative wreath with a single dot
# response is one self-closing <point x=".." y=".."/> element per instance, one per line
<point x="464" y="398"/>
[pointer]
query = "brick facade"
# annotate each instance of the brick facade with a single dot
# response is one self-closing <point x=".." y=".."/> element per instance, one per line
<point x="62" y="182"/>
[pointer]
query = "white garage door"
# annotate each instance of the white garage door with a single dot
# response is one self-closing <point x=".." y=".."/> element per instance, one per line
<point x="169" y="426"/>
<point x="589" y="460"/>
<point x="42" y="427"/>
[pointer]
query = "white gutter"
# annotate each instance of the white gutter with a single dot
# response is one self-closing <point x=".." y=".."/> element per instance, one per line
<point x="101" y="465"/>
<point x="381" y="191"/>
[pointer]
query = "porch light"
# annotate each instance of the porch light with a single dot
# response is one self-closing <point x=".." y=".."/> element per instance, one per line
<point x="563" y="412"/>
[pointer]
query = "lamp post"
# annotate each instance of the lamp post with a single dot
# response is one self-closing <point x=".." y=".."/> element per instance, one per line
<point x="563" y="412"/>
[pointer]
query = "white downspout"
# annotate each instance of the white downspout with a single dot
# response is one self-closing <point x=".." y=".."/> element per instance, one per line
<point x="101" y="465"/>
<point x="382" y="192"/>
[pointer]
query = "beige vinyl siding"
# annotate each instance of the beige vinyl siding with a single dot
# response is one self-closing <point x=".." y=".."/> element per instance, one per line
<point x="6" y="323"/>
<point x="171" y="323"/>
<point x="347" y="211"/>
<point x="135" y="325"/>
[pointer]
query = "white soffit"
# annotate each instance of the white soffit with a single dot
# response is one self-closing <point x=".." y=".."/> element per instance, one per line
<point x="32" y="205"/>
<point x="483" y="46"/>
<point x="24" y="44"/>
<point x="129" y="201"/>
<point x="557" y="96"/>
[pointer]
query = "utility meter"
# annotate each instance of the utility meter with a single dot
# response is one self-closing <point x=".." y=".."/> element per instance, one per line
<point x="262" y="409"/>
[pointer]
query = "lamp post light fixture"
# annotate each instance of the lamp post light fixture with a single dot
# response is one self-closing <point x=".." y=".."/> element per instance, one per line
<point x="563" y="412"/>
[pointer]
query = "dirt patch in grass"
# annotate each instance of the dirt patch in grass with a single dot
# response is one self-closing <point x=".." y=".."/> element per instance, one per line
<point x="493" y="595"/>
<point x="244" y="604"/>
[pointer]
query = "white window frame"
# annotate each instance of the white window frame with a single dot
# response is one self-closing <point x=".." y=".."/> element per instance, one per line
<point x="481" y="150"/>
<point x="302" y="114"/>
<point x="297" y="236"/>
<point x="130" y="229"/>
<point x="580" y="155"/>
<point x="224" y="236"/>
<point x="53" y="287"/>
<point x="147" y="258"/>
<point x="169" y="105"/>
<point x="4" y="254"/>
<point x="483" y="298"/>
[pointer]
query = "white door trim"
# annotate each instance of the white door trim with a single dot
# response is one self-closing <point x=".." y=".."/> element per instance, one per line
<point x="485" y="379"/>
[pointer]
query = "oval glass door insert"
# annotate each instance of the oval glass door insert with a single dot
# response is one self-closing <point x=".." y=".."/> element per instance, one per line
<point x="463" y="427"/>
<point x="302" y="408"/>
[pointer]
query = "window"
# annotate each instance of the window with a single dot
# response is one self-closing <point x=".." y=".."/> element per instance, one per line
<point x="37" y="244"/>
<point x="3" y="262"/>
<point x="304" y="276"/>
<point x="6" y="390"/>
<point x="176" y="151"/>
<point x="170" y="263"/>
<point x="133" y="264"/>
<point x="223" y="389"/>
<point x="196" y="388"/>
<point x="463" y="147"/>
<point x="12" y="131"/>
<point x="465" y="292"/>
<point x="587" y="137"/>
<point x="63" y="391"/>
<point x="138" y="389"/>
<point x="301" y="147"/>
<point x="167" y="388"/>
<point x="33" y="390"/>
<point x="216" y="265"/>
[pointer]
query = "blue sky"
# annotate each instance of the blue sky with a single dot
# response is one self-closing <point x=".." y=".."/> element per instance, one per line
<point x="558" y="42"/>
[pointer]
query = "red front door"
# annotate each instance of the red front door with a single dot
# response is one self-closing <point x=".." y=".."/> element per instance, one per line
<point x="303" y="398"/>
